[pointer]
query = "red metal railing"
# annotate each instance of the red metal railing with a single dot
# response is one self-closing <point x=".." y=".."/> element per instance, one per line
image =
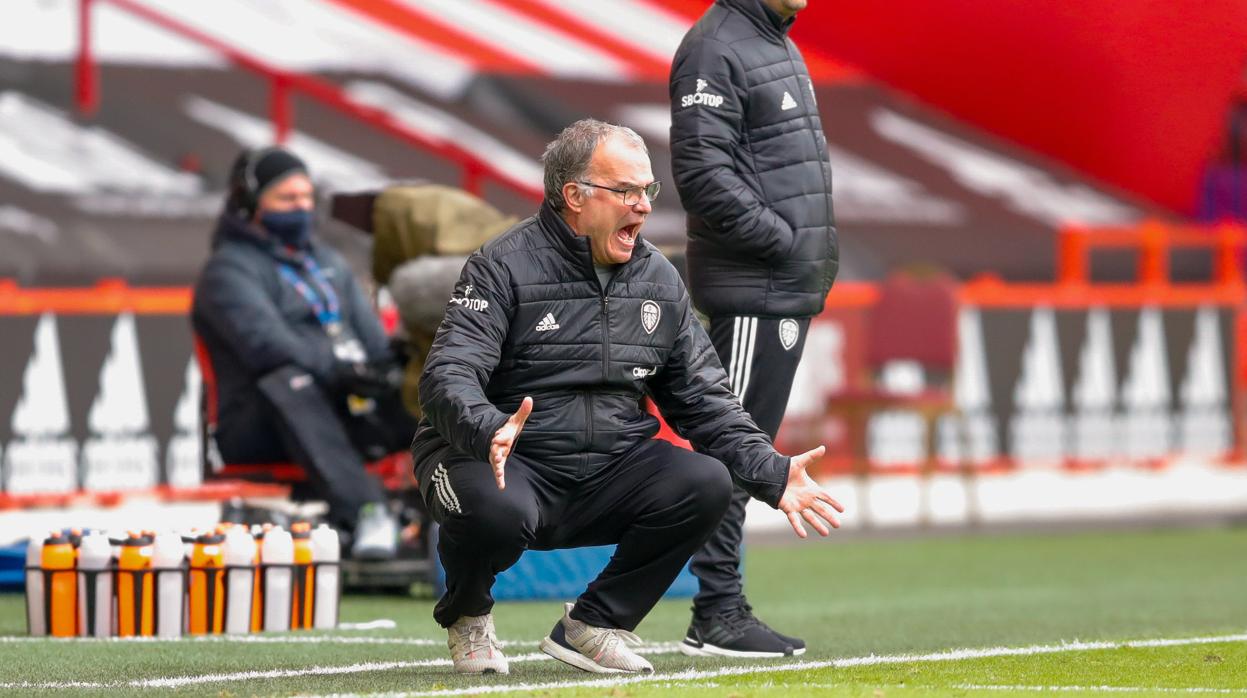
<point x="1154" y="242"/>
<point x="283" y="84"/>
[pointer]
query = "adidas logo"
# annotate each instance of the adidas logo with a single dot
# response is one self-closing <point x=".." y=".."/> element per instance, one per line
<point x="547" y="323"/>
<point x="788" y="103"/>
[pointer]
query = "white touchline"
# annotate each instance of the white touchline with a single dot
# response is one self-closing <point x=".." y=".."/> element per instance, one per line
<point x="178" y="681"/>
<point x="1097" y="689"/>
<point x="693" y="675"/>
<point x="1021" y="688"/>
<point x="688" y="675"/>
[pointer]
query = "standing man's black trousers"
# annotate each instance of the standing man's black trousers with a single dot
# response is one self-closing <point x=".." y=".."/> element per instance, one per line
<point x="761" y="357"/>
<point x="658" y="502"/>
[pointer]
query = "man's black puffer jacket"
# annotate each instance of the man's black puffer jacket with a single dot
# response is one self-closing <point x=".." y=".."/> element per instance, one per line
<point x="751" y="166"/>
<point x="529" y="318"/>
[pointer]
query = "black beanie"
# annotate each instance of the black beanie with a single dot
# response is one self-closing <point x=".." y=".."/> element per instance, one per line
<point x="274" y="165"/>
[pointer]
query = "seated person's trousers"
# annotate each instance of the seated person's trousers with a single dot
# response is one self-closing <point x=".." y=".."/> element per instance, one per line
<point x="658" y="502"/>
<point x="298" y="422"/>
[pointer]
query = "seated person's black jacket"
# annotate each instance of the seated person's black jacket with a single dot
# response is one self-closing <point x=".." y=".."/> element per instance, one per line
<point x="251" y="321"/>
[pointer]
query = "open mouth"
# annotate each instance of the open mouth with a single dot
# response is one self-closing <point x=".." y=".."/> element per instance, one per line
<point x="627" y="234"/>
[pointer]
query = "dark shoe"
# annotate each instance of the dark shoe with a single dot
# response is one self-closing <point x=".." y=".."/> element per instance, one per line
<point x="733" y="631"/>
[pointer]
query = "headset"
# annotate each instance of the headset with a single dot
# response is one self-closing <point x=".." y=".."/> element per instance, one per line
<point x="243" y="186"/>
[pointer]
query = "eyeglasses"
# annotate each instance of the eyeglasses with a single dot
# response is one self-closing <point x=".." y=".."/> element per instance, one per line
<point x="632" y="195"/>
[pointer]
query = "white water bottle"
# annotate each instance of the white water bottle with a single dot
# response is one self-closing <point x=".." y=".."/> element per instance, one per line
<point x="36" y="623"/>
<point x="168" y="553"/>
<point x="95" y="586"/>
<point x="325" y="555"/>
<point x="277" y="553"/>
<point x="239" y="578"/>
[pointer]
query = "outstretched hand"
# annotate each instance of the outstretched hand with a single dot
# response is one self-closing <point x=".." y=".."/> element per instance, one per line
<point x="505" y="438"/>
<point x="804" y="499"/>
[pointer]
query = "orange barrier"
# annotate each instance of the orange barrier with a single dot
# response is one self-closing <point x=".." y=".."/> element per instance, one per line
<point x="111" y="296"/>
<point x="106" y="297"/>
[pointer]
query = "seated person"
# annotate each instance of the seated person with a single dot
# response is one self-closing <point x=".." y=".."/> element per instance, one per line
<point x="533" y="434"/>
<point x="304" y="371"/>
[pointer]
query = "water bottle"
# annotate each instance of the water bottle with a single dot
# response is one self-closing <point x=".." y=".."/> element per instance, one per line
<point x="304" y="578"/>
<point x="257" y="598"/>
<point x="135" y="587"/>
<point x="60" y="585"/>
<point x="277" y="560"/>
<point x="239" y="579"/>
<point x="207" y="584"/>
<point x="168" y="554"/>
<point x="326" y="552"/>
<point x="36" y="622"/>
<point x="95" y="586"/>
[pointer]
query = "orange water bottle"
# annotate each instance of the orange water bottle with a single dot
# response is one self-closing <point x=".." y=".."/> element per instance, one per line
<point x="60" y="586"/>
<point x="136" y="614"/>
<point x="304" y="576"/>
<point x="207" y="585"/>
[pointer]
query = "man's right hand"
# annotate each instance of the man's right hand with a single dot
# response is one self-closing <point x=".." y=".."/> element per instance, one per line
<point x="505" y="438"/>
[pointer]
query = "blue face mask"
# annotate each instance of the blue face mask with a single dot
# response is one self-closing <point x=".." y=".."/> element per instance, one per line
<point x="291" y="228"/>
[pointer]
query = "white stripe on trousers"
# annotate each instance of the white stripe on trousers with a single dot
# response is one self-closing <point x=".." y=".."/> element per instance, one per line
<point x="732" y="371"/>
<point x="740" y="363"/>
<point x="753" y="341"/>
<point x="441" y="485"/>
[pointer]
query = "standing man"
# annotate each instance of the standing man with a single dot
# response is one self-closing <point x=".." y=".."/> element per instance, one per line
<point x="751" y="167"/>
<point x="534" y="436"/>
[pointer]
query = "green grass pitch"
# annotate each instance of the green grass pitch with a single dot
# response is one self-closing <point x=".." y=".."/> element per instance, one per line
<point x="880" y="617"/>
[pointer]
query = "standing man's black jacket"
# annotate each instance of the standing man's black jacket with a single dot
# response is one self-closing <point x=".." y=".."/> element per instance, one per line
<point x="529" y="317"/>
<point x="251" y="321"/>
<point x="751" y="166"/>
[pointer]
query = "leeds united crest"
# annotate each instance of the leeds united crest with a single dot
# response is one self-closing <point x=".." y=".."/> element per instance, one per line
<point x="789" y="331"/>
<point x="650" y="315"/>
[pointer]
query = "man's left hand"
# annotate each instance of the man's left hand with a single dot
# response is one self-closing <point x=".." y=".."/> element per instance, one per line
<point x="804" y="499"/>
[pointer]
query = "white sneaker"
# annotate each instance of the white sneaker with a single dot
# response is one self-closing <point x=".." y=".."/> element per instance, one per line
<point x="376" y="534"/>
<point x="599" y="650"/>
<point x="474" y="647"/>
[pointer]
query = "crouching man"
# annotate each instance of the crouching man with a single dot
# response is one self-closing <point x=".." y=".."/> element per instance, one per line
<point x="534" y="436"/>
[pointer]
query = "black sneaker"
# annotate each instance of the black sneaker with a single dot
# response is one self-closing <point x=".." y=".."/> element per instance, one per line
<point x="734" y="631"/>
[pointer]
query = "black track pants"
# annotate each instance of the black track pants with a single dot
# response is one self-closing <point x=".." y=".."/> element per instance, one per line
<point x="761" y="357"/>
<point x="658" y="502"/>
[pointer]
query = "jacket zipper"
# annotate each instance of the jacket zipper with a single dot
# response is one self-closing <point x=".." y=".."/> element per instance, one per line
<point x="606" y="337"/>
<point x="606" y="351"/>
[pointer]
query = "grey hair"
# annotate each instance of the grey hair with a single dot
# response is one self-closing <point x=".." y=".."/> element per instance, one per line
<point x="567" y="157"/>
